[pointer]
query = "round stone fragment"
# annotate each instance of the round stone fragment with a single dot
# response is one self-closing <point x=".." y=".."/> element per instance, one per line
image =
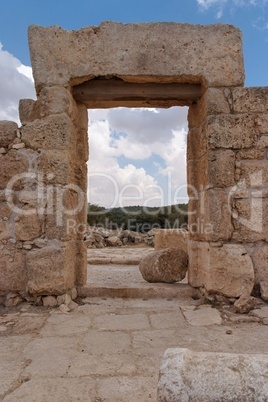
<point x="167" y="265"/>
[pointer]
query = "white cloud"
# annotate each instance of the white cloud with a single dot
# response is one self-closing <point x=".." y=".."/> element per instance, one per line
<point x="136" y="134"/>
<point x="109" y="184"/>
<point x="16" y="83"/>
<point x="221" y="4"/>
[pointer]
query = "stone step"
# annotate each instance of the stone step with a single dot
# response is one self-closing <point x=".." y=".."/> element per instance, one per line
<point x="125" y="281"/>
<point x="150" y="291"/>
<point x="114" y="260"/>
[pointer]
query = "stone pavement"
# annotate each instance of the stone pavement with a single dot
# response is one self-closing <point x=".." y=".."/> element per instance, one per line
<point x="114" y="272"/>
<point x="117" y="255"/>
<point x="118" y="280"/>
<point x="109" y="350"/>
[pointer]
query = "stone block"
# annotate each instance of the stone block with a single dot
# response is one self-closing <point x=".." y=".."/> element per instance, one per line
<point x="254" y="173"/>
<point x="253" y="153"/>
<point x="197" y="143"/>
<point x="197" y="174"/>
<point x="217" y="101"/>
<point x="210" y="217"/>
<point x="28" y="226"/>
<point x="51" y="270"/>
<point x="250" y="100"/>
<point x="82" y="150"/>
<point x="231" y="131"/>
<point x="8" y="132"/>
<point x="186" y="375"/>
<point x="65" y="214"/>
<point x="197" y="113"/>
<point x="262" y="142"/>
<point x="49" y="301"/>
<point x="12" y="269"/>
<point x="56" y="100"/>
<point x="221" y="168"/>
<point x="245" y="304"/>
<point x="213" y="52"/>
<point x="5" y="229"/>
<point x="228" y="271"/>
<point x="260" y="261"/>
<point x="262" y="122"/>
<point x="28" y="110"/>
<point x="55" y="165"/>
<point x="171" y="238"/>
<point x="81" y="263"/>
<point x="198" y="254"/>
<point x="53" y="132"/>
<point x="5" y="210"/>
<point x="13" y="163"/>
<point x="252" y="219"/>
<point x="202" y="317"/>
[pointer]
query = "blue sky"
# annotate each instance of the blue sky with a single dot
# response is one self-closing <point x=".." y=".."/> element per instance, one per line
<point x="251" y="16"/>
<point x="119" y="133"/>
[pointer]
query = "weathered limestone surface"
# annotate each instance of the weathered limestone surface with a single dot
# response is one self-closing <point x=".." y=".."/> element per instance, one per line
<point x="54" y="132"/>
<point x="259" y="255"/>
<point x="12" y="269"/>
<point x="50" y="270"/>
<point x="227" y="166"/>
<point x="12" y="163"/>
<point x="167" y="265"/>
<point x="210" y="377"/>
<point x="8" y="130"/>
<point x="171" y="238"/>
<point x="226" y="269"/>
<point x="155" y="50"/>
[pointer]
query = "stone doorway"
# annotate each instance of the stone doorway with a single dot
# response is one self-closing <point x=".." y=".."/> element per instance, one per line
<point x="139" y="65"/>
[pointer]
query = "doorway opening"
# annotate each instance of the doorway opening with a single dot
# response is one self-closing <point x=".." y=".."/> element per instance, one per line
<point x="136" y="184"/>
<point x="137" y="168"/>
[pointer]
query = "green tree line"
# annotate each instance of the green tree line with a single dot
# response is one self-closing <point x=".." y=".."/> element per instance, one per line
<point x="138" y="218"/>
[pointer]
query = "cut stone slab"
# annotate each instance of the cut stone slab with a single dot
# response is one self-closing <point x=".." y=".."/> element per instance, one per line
<point x="203" y="317"/>
<point x="227" y="269"/>
<point x="212" y="377"/>
<point x="171" y="238"/>
<point x="213" y="52"/>
<point x="261" y="312"/>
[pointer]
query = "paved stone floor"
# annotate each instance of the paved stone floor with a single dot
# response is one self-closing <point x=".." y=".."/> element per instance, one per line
<point x="117" y="255"/>
<point x="109" y="350"/>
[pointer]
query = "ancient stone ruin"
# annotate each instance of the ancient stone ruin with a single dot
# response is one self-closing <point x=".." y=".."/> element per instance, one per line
<point x="43" y="173"/>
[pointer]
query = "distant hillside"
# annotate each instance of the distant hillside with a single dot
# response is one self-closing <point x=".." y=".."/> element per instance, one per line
<point x="138" y="218"/>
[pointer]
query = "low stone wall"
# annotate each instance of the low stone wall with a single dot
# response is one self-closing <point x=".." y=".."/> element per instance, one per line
<point x="98" y="238"/>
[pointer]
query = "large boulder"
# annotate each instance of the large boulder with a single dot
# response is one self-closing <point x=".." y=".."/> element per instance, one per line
<point x="168" y="265"/>
<point x="210" y="377"/>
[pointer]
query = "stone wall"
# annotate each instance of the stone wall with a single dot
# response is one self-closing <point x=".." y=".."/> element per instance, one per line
<point x="43" y="174"/>
<point x="43" y="196"/>
<point x="227" y="167"/>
